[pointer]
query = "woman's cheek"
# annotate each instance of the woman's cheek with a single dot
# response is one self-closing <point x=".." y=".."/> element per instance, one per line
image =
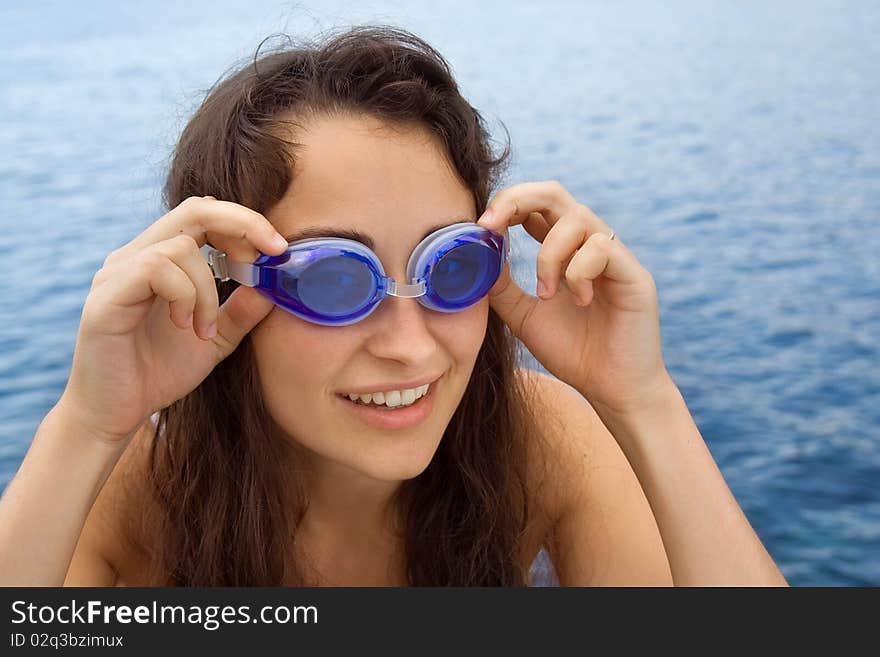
<point x="465" y="331"/>
<point x="293" y="357"/>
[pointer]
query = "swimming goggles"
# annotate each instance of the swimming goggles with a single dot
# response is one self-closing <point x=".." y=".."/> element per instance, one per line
<point x="335" y="282"/>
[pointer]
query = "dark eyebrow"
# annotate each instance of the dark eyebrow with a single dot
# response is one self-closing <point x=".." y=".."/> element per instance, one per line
<point x="351" y="234"/>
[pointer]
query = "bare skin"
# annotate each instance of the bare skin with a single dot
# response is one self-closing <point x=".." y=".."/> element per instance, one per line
<point x="634" y="496"/>
<point x="623" y="533"/>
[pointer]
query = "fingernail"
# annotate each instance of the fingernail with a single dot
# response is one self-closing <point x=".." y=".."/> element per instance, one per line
<point x="279" y="241"/>
<point x="188" y="321"/>
<point x="211" y="331"/>
<point x="487" y="217"/>
<point x="542" y="289"/>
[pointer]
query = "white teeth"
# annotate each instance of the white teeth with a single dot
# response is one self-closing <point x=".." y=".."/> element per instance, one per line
<point x="391" y="398"/>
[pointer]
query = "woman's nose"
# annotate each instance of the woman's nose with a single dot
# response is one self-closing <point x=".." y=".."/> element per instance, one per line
<point x="401" y="328"/>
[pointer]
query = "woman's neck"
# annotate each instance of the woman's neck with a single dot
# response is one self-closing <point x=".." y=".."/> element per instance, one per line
<point x="350" y="533"/>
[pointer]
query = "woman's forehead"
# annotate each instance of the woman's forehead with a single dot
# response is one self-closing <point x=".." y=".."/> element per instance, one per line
<point x="344" y="162"/>
<point x="357" y="235"/>
<point x="360" y="179"/>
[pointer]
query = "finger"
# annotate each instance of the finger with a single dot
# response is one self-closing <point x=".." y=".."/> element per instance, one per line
<point x="560" y="244"/>
<point x="240" y="313"/>
<point x="149" y="275"/>
<point x="513" y="305"/>
<point x="601" y="256"/>
<point x="537" y="226"/>
<point x="184" y="252"/>
<point x="515" y="204"/>
<point x="229" y="227"/>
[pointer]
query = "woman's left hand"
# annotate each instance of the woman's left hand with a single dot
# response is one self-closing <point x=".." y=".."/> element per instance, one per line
<point x="597" y="328"/>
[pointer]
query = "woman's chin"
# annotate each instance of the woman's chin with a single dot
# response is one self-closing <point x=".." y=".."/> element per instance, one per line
<point x="395" y="467"/>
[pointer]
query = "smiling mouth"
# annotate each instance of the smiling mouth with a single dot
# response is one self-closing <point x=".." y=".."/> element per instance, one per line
<point x="383" y="406"/>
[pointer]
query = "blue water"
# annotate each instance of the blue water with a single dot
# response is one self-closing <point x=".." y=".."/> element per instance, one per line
<point x="734" y="147"/>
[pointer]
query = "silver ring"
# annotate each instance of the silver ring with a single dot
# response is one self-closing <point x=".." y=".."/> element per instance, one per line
<point x="611" y="236"/>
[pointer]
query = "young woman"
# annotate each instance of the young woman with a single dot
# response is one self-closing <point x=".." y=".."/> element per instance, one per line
<point x="305" y="372"/>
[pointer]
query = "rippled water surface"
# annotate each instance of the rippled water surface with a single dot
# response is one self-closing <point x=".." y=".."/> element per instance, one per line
<point x="735" y="149"/>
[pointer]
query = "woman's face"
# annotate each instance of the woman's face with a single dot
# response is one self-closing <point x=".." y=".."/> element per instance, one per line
<point x="393" y="185"/>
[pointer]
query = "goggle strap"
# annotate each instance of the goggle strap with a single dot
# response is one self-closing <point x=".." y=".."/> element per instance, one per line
<point x="225" y="269"/>
<point x="243" y="272"/>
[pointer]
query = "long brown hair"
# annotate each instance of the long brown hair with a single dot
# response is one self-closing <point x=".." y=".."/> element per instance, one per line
<point x="215" y="469"/>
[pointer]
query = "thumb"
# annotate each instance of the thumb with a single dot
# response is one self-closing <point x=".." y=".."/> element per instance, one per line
<point x="511" y="302"/>
<point x="241" y="312"/>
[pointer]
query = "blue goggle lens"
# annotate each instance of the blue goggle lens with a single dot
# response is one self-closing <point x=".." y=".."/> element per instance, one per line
<point x="461" y="273"/>
<point x="334" y="286"/>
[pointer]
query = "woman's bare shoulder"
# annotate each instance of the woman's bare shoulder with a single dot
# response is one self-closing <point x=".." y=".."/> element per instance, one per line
<point x="543" y="451"/>
<point x="110" y="550"/>
<point x="599" y="526"/>
<point x="541" y="484"/>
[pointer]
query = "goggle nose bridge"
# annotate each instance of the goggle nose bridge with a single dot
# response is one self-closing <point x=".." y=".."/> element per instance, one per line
<point x="408" y="291"/>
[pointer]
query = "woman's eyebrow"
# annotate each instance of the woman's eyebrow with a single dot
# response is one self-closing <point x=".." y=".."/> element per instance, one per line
<point x="350" y="233"/>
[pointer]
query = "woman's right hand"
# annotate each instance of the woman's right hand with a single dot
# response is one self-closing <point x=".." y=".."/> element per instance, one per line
<point x="145" y="338"/>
